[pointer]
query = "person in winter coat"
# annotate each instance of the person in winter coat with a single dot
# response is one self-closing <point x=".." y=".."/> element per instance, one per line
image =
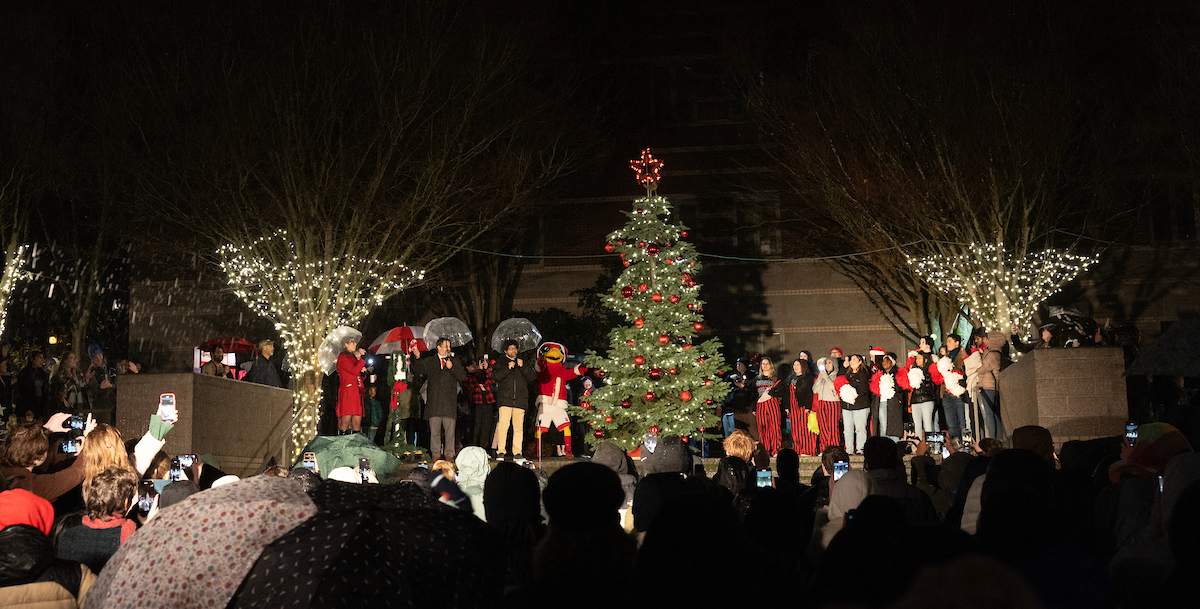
<point x="795" y="394"/>
<point x="611" y="456"/>
<point x="30" y="575"/>
<point x="891" y="403"/>
<point x="350" y="363"/>
<point x="742" y="399"/>
<point x="444" y="375"/>
<point x="923" y="392"/>
<point x="93" y="538"/>
<point x="766" y="411"/>
<point x="953" y="407"/>
<point x="855" y="413"/>
<point x="987" y="375"/>
<point x="826" y="402"/>
<point x="473" y="470"/>
<point x="512" y="378"/>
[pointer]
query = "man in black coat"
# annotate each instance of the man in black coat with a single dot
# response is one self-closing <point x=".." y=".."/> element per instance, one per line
<point x="512" y="378"/>
<point x="444" y="375"/>
<point x="263" y="371"/>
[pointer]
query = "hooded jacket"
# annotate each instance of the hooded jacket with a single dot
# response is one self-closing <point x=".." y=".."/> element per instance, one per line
<point x="989" y="369"/>
<point x="473" y="470"/>
<point x="612" y="457"/>
<point x="823" y="386"/>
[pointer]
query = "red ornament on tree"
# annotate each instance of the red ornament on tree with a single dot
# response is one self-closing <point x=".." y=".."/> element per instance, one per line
<point x="639" y="322"/>
<point x="630" y="342"/>
<point x="697" y="326"/>
<point x="664" y="339"/>
<point x="683" y="233"/>
<point x="700" y="360"/>
<point x="687" y="346"/>
<point x="627" y="292"/>
<point x="608" y="419"/>
<point x="625" y="262"/>
<point x="656" y="297"/>
<point x="686" y="277"/>
<point x="685" y="396"/>
<point x="674" y="298"/>
<point x="585" y="405"/>
<point x="652" y="249"/>
<point x="609" y="247"/>
<point x="707" y="381"/>
<point x="638" y="360"/>
<point x="599" y="433"/>
<point x="709" y="402"/>
<point x="649" y="396"/>
<point x="641" y="244"/>
<point x="691" y="306"/>
<point x="655" y="374"/>
<point x="626" y="403"/>
<point x="643" y="287"/>
<point x="654" y="429"/>
<point x="673" y="371"/>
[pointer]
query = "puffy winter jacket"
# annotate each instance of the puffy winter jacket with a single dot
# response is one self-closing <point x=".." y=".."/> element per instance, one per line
<point x="512" y="384"/>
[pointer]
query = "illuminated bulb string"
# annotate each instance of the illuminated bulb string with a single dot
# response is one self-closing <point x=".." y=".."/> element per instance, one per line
<point x="307" y="300"/>
<point x="12" y="272"/>
<point x="994" y="286"/>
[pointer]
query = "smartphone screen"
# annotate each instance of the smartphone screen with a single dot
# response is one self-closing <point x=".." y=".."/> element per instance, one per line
<point x="364" y="466"/>
<point x="1131" y="432"/>
<point x="146" y="495"/>
<point x="70" y="446"/>
<point x="764" y="478"/>
<point x="176" y="470"/>
<point x="186" y="461"/>
<point x="166" y="408"/>
<point x="839" y="469"/>
<point x="932" y="437"/>
<point x="77" y="422"/>
<point x="310" y="461"/>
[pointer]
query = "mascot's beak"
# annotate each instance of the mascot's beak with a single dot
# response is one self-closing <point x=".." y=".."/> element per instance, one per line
<point x="553" y="355"/>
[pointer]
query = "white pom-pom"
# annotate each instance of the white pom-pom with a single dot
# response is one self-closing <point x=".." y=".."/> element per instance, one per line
<point x="887" y="387"/>
<point x="954" y="383"/>
<point x="915" y="377"/>
<point x="848" y="394"/>
<point x="944" y="365"/>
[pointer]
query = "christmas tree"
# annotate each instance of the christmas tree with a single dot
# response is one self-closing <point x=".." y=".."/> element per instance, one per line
<point x="658" y="381"/>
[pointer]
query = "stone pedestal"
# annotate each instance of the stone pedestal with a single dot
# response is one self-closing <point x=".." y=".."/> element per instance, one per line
<point x="241" y="424"/>
<point x="1077" y="394"/>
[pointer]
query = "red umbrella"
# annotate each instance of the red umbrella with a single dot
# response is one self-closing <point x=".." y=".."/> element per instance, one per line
<point x="229" y="344"/>
<point x="399" y="339"/>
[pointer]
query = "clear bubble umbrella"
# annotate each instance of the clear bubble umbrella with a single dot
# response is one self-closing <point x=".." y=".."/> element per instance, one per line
<point x="519" y="329"/>
<point x="452" y="328"/>
<point x="333" y="345"/>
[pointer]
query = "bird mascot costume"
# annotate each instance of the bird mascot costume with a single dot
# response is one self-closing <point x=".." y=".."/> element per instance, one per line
<point x="552" y="376"/>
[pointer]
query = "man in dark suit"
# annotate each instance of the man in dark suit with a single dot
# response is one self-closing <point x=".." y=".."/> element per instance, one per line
<point x="443" y="380"/>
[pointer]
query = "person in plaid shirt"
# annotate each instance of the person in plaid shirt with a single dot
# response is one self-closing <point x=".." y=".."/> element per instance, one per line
<point x="483" y="402"/>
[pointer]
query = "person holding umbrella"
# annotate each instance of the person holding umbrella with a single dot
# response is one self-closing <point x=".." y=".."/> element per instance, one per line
<point x="350" y="386"/>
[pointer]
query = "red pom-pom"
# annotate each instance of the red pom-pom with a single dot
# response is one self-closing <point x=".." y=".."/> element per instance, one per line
<point x="639" y="322"/>
<point x="656" y="297"/>
<point x="638" y="360"/>
<point x="649" y="396"/>
<point x="627" y="292"/>
<point x="686" y="396"/>
<point x="674" y="298"/>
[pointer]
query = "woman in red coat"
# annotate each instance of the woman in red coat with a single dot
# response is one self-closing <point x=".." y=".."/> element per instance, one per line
<point x="350" y="388"/>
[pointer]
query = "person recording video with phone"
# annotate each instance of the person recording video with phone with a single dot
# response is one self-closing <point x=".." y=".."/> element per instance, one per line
<point x="28" y="446"/>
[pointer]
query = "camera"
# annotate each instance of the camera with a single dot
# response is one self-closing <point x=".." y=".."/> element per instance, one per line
<point x="70" y="446"/>
<point x="186" y="461"/>
<point x="839" y="469"/>
<point x="935" y="437"/>
<point x="1131" y="432"/>
<point x="77" y="421"/>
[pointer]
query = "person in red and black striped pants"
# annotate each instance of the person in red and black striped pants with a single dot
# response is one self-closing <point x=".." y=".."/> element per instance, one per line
<point x="796" y="393"/>
<point x="827" y="403"/>
<point x="766" y="412"/>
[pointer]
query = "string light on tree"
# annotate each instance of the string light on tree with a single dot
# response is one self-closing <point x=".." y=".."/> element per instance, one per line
<point x="307" y="300"/>
<point x="655" y="378"/>
<point x="996" y="287"/>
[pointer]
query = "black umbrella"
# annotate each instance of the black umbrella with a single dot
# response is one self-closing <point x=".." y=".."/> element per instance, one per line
<point x="378" y="546"/>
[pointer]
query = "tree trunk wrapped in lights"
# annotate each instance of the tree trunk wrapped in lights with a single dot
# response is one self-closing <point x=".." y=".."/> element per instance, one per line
<point x="12" y="229"/>
<point x="657" y="380"/>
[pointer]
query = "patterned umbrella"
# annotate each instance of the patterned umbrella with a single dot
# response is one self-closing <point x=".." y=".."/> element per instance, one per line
<point x="452" y="328"/>
<point x="197" y="552"/>
<point x="398" y="340"/>
<point x="519" y="329"/>
<point x="333" y="345"/>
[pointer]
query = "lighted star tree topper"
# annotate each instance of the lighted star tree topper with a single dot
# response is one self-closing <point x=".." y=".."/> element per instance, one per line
<point x="658" y="381"/>
<point x="996" y="287"/>
<point x="307" y="300"/>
